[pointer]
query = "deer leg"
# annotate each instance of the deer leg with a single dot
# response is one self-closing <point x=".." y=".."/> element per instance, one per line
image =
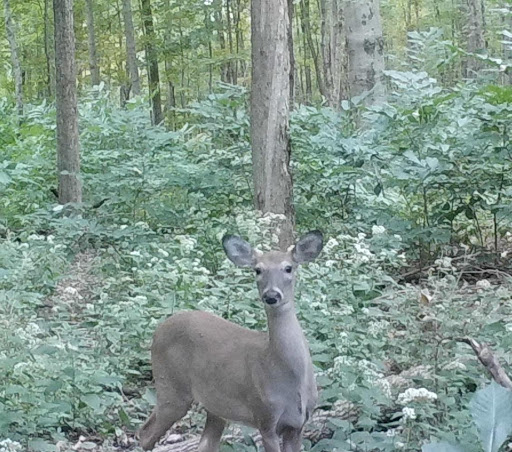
<point x="270" y="440"/>
<point x="292" y="440"/>
<point x="210" y="439"/>
<point x="171" y="407"/>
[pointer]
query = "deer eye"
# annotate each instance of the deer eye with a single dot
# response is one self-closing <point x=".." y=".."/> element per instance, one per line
<point x="257" y="271"/>
<point x="288" y="269"/>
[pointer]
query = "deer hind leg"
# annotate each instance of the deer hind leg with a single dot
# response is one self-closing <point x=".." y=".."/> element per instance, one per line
<point x="292" y="440"/>
<point x="210" y="439"/>
<point x="171" y="406"/>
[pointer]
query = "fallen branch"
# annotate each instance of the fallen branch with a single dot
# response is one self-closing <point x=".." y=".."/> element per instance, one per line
<point x="317" y="429"/>
<point x="490" y="362"/>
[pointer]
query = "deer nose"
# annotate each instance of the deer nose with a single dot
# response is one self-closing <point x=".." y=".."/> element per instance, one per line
<point x="271" y="297"/>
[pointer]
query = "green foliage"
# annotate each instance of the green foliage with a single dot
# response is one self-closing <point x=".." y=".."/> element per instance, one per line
<point x="491" y="408"/>
<point x="431" y="171"/>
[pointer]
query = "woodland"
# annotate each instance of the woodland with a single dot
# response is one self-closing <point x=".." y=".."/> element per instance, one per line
<point x="135" y="134"/>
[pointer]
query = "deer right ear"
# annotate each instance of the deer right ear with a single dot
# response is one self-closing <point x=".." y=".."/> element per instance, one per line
<point x="238" y="251"/>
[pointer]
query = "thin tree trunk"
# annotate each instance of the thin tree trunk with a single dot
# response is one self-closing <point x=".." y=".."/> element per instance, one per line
<point x="48" y="44"/>
<point x="131" y="50"/>
<point x="10" y="28"/>
<point x="68" y="152"/>
<point x="224" y="67"/>
<point x="332" y="50"/>
<point x="232" y="63"/>
<point x="93" y="54"/>
<point x="171" y="98"/>
<point x="365" y="47"/>
<point x="152" y="63"/>
<point x="270" y="111"/>
<point x="312" y="47"/>
<point x="475" y="36"/>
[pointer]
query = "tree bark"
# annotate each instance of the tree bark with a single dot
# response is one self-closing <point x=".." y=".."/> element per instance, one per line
<point x="10" y="28"/>
<point x="270" y="112"/>
<point x="131" y="50"/>
<point x="152" y="62"/>
<point x="93" y="54"/>
<point x="365" y="47"/>
<point x="475" y="36"/>
<point x="68" y="153"/>
<point x="48" y="44"/>
<point x="332" y="50"/>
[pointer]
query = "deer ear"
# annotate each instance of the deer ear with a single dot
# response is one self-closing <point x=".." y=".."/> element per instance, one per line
<point x="308" y="247"/>
<point x="238" y="251"/>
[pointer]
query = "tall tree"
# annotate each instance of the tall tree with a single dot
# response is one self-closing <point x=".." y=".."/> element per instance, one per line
<point x="15" y="58"/>
<point x="475" y="36"/>
<point x="365" y="47"/>
<point x="93" y="54"/>
<point x="152" y="63"/>
<point x="332" y="50"/>
<point x="131" y="50"/>
<point x="68" y="153"/>
<point x="270" y="111"/>
<point x="48" y="45"/>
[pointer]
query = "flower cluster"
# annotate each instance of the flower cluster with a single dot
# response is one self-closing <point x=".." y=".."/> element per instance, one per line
<point x="416" y="395"/>
<point x="8" y="445"/>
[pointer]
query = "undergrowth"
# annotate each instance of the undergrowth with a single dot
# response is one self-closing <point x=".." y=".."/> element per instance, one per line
<point x="428" y="183"/>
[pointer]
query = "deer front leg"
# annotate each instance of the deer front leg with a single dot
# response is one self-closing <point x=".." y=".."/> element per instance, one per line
<point x="270" y="440"/>
<point x="292" y="440"/>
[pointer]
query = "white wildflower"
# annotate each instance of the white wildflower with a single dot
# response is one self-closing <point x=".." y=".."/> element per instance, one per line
<point x="391" y="432"/>
<point x="399" y="445"/>
<point x="416" y="395"/>
<point x="71" y="291"/>
<point x="8" y="445"/>
<point x="408" y="413"/>
<point x="444" y="263"/>
<point x="365" y="311"/>
<point x="483" y="284"/>
<point x="163" y="252"/>
<point x="136" y="253"/>
<point x="378" y="230"/>
<point x="330" y="245"/>
<point x="455" y="365"/>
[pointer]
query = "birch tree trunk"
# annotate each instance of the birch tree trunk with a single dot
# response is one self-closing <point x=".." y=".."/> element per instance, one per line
<point x="68" y="154"/>
<point x="270" y="111"/>
<point x="152" y="62"/>
<point x="10" y="28"/>
<point x="475" y="36"/>
<point x="332" y="50"/>
<point x="131" y="50"/>
<point x="93" y="54"/>
<point x="365" y="47"/>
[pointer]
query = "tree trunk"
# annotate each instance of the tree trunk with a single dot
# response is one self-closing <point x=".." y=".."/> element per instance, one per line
<point x="365" y="47"/>
<point x="48" y="44"/>
<point x="224" y="67"/>
<point x="475" y="36"/>
<point x="270" y="112"/>
<point x="68" y="154"/>
<point x="10" y="28"/>
<point x="93" y="54"/>
<point x="332" y="50"/>
<point x="152" y="62"/>
<point x="131" y="50"/>
<point x="312" y="48"/>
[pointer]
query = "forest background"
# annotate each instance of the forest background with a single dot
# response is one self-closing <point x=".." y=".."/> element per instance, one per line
<point x="400" y="152"/>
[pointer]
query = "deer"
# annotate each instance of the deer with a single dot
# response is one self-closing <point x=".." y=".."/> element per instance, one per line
<point x="263" y="380"/>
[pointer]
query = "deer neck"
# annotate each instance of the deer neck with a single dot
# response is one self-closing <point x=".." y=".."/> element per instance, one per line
<point x="287" y="344"/>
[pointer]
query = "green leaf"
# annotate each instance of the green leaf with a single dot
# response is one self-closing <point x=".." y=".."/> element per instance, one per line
<point x="491" y="408"/>
<point x="40" y="445"/>
<point x="440" y="447"/>
<point x="93" y="400"/>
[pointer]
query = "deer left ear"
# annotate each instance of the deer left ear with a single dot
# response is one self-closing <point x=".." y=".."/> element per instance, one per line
<point x="308" y="247"/>
<point x="238" y="251"/>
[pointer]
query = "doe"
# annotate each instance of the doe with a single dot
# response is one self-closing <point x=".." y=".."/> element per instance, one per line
<point x="263" y="380"/>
